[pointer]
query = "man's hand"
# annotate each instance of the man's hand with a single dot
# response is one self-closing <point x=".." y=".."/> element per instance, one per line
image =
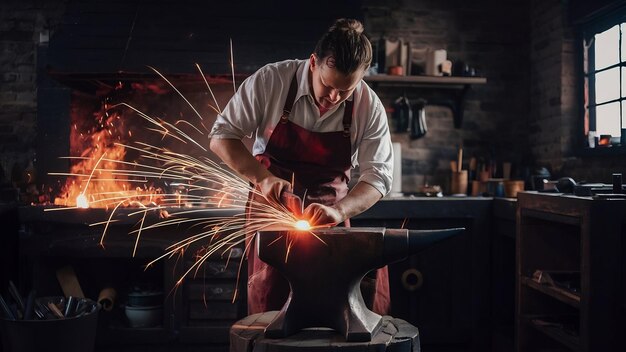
<point x="361" y="197"/>
<point x="321" y="215"/>
<point x="237" y="157"/>
<point x="271" y="187"/>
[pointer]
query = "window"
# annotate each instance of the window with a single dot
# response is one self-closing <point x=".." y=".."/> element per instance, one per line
<point x="605" y="84"/>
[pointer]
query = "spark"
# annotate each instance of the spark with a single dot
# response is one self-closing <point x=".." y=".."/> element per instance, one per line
<point x="232" y="65"/>
<point x="216" y="108"/>
<point x="194" y="184"/>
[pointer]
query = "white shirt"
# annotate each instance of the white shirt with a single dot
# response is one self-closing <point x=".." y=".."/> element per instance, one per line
<point x="257" y="106"/>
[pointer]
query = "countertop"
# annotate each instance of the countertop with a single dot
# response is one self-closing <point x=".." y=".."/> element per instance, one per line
<point x="427" y="207"/>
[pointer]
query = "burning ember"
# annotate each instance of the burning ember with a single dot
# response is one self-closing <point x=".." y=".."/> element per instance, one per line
<point x="96" y="146"/>
<point x="103" y="168"/>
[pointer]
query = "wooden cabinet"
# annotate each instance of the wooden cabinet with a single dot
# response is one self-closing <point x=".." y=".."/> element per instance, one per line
<point x="503" y="273"/>
<point x="577" y="242"/>
<point x="198" y="309"/>
<point x="213" y="298"/>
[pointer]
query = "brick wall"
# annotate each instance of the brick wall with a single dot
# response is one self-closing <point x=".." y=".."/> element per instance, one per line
<point x="553" y="87"/>
<point x="21" y="23"/>
<point x="491" y="36"/>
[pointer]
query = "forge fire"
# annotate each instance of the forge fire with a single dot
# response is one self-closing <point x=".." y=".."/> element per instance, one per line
<point x="102" y="169"/>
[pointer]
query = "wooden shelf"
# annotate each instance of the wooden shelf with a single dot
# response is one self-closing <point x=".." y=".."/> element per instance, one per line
<point x="451" y="82"/>
<point x="556" y="333"/>
<point x="459" y="85"/>
<point x="564" y="233"/>
<point x="562" y="295"/>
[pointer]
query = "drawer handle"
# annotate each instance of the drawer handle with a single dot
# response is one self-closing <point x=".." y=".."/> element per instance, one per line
<point x="412" y="279"/>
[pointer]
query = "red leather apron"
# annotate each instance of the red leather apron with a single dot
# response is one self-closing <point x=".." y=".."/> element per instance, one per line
<point x="320" y="163"/>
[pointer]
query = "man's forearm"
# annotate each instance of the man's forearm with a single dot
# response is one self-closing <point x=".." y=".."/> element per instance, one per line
<point x="235" y="154"/>
<point x="361" y="197"/>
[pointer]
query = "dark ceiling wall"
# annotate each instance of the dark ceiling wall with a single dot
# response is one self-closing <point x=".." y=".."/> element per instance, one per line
<point x="113" y="36"/>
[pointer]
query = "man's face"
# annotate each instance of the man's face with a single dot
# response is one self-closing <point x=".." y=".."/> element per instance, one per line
<point x="331" y="87"/>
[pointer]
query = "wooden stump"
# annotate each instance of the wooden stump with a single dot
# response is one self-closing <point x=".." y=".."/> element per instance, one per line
<point x="247" y="335"/>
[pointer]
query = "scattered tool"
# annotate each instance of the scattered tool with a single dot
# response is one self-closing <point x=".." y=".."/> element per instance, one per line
<point x="6" y="310"/>
<point x="30" y="305"/>
<point x="17" y="298"/>
<point x="69" y="282"/>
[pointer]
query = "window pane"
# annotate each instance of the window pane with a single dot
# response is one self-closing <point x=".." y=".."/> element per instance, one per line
<point x="607" y="85"/>
<point x="608" y="119"/>
<point x="607" y="45"/>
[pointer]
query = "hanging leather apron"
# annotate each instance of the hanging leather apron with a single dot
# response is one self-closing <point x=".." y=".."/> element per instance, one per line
<point x="320" y="163"/>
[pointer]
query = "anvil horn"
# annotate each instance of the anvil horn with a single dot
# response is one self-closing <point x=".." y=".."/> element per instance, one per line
<point x="422" y="239"/>
<point x="401" y="243"/>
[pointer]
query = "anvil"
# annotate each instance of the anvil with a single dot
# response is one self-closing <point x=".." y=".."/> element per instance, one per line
<point x="325" y="267"/>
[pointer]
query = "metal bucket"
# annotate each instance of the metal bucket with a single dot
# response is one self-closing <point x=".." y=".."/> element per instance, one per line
<point x="75" y="334"/>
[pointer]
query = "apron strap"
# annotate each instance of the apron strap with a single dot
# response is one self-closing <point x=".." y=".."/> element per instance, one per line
<point x="347" y="117"/>
<point x="291" y="96"/>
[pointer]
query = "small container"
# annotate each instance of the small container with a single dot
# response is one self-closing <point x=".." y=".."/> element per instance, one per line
<point x="395" y="71"/>
<point x="512" y="187"/>
<point x="144" y="317"/>
<point x="146" y="298"/>
<point x="478" y="188"/>
<point x="73" y="334"/>
<point x="591" y="139"/>
<point x="605" y="140"/>
<point x="458" y="183"/>
<point x="495" y="187"/>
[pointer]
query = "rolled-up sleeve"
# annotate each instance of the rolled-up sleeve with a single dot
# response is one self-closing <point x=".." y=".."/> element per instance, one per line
<point x="375" y="153"/>
<point x="240" y="116"/>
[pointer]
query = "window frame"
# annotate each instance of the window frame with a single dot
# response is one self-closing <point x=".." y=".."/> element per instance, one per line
<point x="585" y="59"/>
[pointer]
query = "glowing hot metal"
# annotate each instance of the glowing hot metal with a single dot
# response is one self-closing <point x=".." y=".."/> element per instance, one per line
<point x="302" y="225"/>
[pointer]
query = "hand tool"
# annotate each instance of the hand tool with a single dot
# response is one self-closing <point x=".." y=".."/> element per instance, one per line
<point x="292" y="202"/>
<point x="6" y="311"/>
<point x="17" y="298"/>
<point x="30" y="305"/>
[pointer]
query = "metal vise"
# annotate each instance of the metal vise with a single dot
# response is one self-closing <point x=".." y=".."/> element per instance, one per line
<point x="325" y="267"/>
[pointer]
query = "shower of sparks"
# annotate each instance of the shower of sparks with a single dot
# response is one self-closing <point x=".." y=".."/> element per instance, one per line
<point x="194" y="183"/>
